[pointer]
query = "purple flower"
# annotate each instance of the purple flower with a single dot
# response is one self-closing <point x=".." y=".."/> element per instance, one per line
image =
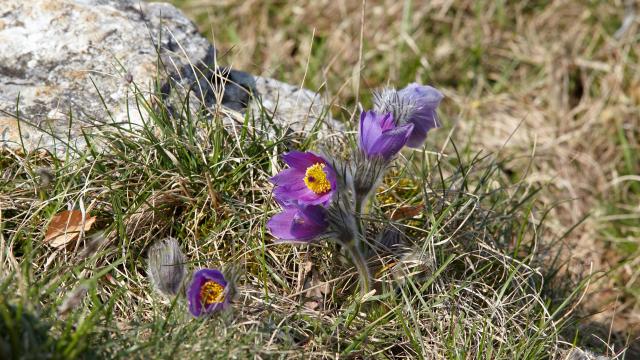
<point x="379" y="135"/>
<point x="299" y="223"/>
<point x="309" y="180"/>
<point x="424" y="118"/>
<point x="208" y="292"/>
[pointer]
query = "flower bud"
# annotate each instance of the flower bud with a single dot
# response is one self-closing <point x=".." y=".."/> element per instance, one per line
<point x="166" y="266"/>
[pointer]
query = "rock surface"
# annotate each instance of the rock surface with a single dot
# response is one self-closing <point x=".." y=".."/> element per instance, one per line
<point x="82" y="57"/>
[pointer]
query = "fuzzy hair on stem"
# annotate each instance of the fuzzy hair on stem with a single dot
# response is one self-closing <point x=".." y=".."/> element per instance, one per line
<point x="366" y="174"/>
<point x="345" y="226"/>
<point x="342" y="220"/>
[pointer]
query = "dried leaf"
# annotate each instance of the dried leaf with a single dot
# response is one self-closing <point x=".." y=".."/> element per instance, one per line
<point x="66" y="226"/>
<point x="406" y="212"/>
<point x="315" y="287"/>
<point x="311" y="305"/>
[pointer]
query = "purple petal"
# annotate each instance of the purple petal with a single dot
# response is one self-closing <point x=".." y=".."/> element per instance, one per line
<point x="298" y="223"/>
<point x="293" y="194"/>
<point x="423" y="95"/>
<point x="316" y="215"/>
<point x="424" y="117"/>
<point x="310" y="223"/>
<point x="214" y="275"/>
<point x="280" y="224"/>
<point x="369" y="130"/>
<point x="392" y="141"/>
<point x="287" y="177"/>
<point x="291" y="187"/>
<point x="193" y="295"/>
<point x="420" y="130"/>
<point x="211" y="308"/>
<point x="386" y="122"/>
<point x="301" y="160"/>
<point x="416" y="139"/>
<point x="380" y="136"/>
<point x="332" y="177"/>
<point x="312" y="198"/>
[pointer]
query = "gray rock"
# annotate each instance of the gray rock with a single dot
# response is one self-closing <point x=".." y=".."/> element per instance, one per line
<point x="87" y="58"/>
<point x="296" y="107"/>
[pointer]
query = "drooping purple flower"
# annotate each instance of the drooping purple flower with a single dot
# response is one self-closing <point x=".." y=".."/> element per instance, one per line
<point x="309" y="180"/>
<point x="208" y="292"/>
<point x="424" y="100"/>
<point x="297" y="223"/>
<point x="380" y="136"/>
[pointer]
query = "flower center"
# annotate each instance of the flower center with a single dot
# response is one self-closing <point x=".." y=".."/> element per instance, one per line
<point x="316" y="179"/>
<point x="211" y="293"/>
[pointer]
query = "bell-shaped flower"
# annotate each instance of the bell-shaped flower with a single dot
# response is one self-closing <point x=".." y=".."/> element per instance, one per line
<point x="297" y="223"/>
<point x="424" y="101"/>
<point x="208" y="292"/>
<point x="379" y="136"/>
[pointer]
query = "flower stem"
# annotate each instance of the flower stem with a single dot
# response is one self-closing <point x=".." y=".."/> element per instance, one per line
<point x="360" y="209"/>
<point x="361" y="265"/>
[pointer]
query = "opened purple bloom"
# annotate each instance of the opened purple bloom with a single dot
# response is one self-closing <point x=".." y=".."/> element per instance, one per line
<point x="424" y="118"/>
<point x="379" y="135"/>
<point x="299" y="223"/>
<point x="207" y="293"/>
<point x="309" y="180"/>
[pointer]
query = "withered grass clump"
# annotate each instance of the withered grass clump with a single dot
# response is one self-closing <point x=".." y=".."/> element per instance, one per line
<point x="559" y="79"/>
<point x="474" y="281"/>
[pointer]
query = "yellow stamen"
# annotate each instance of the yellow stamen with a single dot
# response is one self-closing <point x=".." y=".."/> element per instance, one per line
<point x="316" y="179"/>
<point x="211" y="293"/>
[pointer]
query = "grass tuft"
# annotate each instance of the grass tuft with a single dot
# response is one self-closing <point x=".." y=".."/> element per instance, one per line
<point x="474" y="284"/>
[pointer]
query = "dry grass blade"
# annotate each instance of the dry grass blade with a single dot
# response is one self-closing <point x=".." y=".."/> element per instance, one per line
<point x="150" y="217"/>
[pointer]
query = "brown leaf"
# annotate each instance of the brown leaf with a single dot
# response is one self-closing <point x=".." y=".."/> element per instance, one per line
<point x="311" y="305"/>
<point x="65" y="227"/>
<point x="406" y="212"/>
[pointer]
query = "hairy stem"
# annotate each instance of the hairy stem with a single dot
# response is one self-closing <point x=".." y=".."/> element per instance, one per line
<point x="361" y="265"/>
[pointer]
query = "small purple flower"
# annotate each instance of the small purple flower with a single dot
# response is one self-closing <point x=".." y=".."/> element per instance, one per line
<point x="424" y="118"/>
<point x="309" y="180"/>
<point x="379" y="135"/>
<point x="208" y="292"/>
<point x="298" y="223"/>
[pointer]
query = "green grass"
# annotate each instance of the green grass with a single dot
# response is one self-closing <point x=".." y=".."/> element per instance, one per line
<point x="475" y="285"/>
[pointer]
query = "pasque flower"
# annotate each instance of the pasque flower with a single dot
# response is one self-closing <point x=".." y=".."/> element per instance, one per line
<point x="380" y="136"/>
<point x="309" y="180"/>
<point x="208" y="292"/>
<point x="424" y="100"/>
<point x="299" y="223"/>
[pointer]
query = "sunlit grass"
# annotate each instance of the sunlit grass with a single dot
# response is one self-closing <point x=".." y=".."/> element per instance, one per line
<point x="559" y="79"/>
